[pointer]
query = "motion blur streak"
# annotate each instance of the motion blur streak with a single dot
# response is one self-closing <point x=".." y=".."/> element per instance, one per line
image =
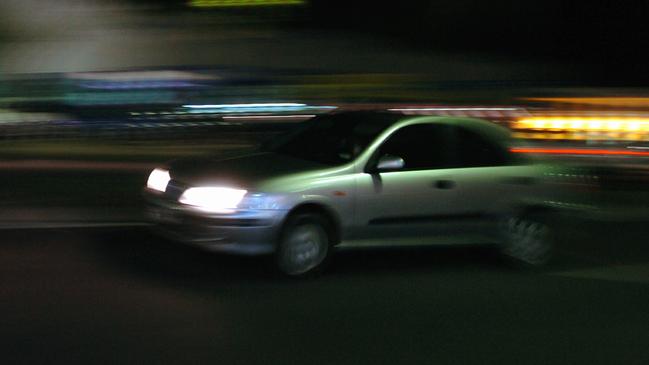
<point x="625" y="124"/>
<point x="96" y="94"/>
<point x="256" y="108"/>
<point x="263" y="117"/>
<point x="583" y="137"/>
<point x="258" y="105"/>
<point x="452" y="109"/>
<point x="616" y="101"/>
<point x="488" y="112"/>
<point x="67" y="165"/>
<point x="578" y="151"/>
<point x="233" y="3"/>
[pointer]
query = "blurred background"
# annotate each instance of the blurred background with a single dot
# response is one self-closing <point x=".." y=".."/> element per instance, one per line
<point x="95" y="93"/>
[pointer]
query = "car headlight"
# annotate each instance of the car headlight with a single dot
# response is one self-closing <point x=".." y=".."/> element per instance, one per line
<point x="158" y="180"/>
<point x="213" y="199"/>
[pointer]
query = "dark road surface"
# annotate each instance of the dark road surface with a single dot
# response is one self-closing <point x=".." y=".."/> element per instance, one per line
<point x="123" y="296"/>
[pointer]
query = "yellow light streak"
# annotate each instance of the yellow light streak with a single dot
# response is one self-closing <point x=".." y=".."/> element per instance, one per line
<point x="584" y="124"/>
<point x="617" y="101"/>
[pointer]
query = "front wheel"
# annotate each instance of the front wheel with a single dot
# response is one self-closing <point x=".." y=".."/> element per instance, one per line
<point x="527" y="239"/>
<point x="304" y="245"/>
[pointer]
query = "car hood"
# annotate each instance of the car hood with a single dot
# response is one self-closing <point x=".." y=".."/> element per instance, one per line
<point x="243" y="171"/>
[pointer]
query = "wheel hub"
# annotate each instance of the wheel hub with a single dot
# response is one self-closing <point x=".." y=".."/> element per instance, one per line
<point x="527" y="240"/>
<point x="305" y="248"/>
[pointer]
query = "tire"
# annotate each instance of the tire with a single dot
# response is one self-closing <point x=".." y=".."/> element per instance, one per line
<point x="527" y="240"/>
<point x="304" y="246"/>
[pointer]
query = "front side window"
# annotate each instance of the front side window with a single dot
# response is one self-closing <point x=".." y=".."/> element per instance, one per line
<point x="332" y="139"/>
<point x="421" y="146"/>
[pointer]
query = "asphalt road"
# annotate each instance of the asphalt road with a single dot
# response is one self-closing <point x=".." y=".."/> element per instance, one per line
<point x="124" y="296"/>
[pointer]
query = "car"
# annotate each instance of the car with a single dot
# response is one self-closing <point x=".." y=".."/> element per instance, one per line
<point x="358" y="179"/>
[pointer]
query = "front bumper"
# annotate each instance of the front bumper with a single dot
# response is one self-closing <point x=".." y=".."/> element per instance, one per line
<point x="251" y="232"/>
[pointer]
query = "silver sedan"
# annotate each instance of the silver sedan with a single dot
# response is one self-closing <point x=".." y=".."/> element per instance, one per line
<point x="356" y="180"/>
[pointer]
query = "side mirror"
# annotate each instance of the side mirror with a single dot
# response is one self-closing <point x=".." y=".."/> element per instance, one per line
<point x="389" y="162"/>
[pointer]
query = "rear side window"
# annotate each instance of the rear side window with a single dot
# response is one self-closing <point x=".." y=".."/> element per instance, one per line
<point x="443" y="146"/>
<point x="473" y="150"/>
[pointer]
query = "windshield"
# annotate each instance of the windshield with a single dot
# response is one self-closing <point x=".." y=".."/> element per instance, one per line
<point x="332" y="139"/>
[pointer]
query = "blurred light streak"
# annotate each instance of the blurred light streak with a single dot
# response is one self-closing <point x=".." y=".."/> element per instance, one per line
<point x="577" y="151"/>
<point x="40" y="165"/>
<point x="618" y="101"/>
<point x="305" y="116"/>
<point x="140" y="76"/>
<point x="584" y="124"/>
<point x="234" y="3"/>
<point x="465" y="111"/>
<point x="452" y="109"/>
<point x="9" y="116"/>
<point x="581" y="136"/>
<point x="259" y="105"/>
<point x="254" y="108"/>
<point x="136" y="85"/>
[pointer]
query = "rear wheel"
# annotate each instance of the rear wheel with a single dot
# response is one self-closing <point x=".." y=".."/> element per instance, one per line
<point x="527" y="239"/>
<point x="304" y="246"/>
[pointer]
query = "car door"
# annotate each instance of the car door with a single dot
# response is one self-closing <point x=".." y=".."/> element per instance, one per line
<point x="413" y="203"/>
<point x="486" y="179"/>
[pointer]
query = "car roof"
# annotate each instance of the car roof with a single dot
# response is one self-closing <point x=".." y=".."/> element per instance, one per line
<point x="485" y="128"/>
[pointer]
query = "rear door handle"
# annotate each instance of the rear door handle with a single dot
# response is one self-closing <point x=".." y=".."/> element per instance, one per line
<point x="444" y="184"/>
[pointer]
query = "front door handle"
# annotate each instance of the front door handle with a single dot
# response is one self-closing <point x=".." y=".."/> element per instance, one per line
<point x="444" y="184"/>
